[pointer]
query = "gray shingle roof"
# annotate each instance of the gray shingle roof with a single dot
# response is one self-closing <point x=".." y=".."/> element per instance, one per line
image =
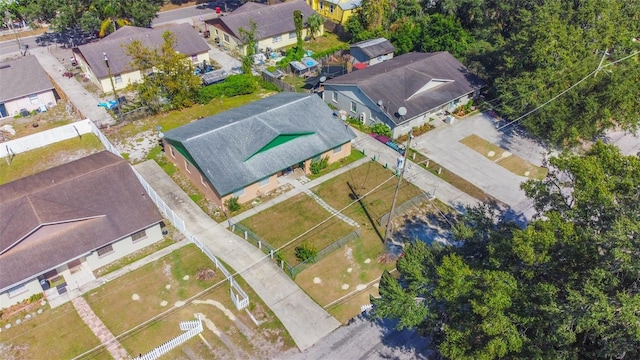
<point x="270" y="20"/>
<point x="227" y="147"/>
<point x="68" y="211"/>
<point x="22" y="77"/>
<point x="375" y="47"/>
<point x="188" y="42"/>
<point x="396" y="82"/>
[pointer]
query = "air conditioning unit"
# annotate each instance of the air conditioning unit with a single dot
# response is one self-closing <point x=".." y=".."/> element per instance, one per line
<point x="363" y="117"/>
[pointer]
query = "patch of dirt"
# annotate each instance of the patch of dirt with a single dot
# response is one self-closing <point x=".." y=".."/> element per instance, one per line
<point x="138" y="148"/>
<point x="13" y="352"/>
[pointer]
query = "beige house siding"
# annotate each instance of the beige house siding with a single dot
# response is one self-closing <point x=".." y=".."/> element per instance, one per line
<point x="27" y="290"/>
<point x="275" y="42"/>
<point x="30" y="102"/>
<point x="91" y="262"/>
<point x="124" y="247"/>
<point x="120" y="81"/>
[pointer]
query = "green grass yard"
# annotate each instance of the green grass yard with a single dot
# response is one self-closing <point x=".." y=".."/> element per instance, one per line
<point x="37" y="160"/>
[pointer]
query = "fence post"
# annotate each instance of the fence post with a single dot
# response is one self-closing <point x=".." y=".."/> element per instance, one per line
<point x="281" y="264"/>
<point x="245" y="235"/>
<point x="271" y="253"/>
<point x="259" y="244"/>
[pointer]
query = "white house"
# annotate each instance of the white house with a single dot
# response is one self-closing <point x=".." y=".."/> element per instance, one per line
<point x="24" y="85"/>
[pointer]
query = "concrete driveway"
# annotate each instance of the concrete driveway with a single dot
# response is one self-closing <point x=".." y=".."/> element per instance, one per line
<point x="443" y="146"/>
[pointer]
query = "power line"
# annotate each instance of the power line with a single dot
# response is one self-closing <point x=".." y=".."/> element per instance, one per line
<point x="600" y="67"/>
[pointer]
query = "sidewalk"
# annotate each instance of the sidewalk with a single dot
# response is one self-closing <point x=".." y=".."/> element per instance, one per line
<point x="81" y="99"/>
<point x="305" y="320"/>
<point x="414" y="174"/>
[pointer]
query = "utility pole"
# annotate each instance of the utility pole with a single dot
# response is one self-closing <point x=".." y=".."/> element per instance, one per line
<point x="13" y="29"/>
<point x="115" y="94"/>
<point x="389" y="230"/>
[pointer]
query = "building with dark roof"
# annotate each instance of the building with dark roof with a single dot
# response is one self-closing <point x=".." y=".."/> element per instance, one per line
<point x="242" y="152"/>
<point x="59" y="225"/>
<point x="404" y="92"/>
<point x="91" y="56"/>
<point x="24" y="85"/>
<point x="274" y="25"/>
<point x="371" y="52"/>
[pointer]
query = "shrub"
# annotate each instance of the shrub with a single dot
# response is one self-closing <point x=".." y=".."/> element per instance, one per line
<point x="270" y="86"/>
<point x="381" y="129"/>
<point x="232" y="86"/>
<point x="306" y="252"/>
<point x="232" y="204"/>
<point x="317" y="166"/>
<point x="35" y="297"/>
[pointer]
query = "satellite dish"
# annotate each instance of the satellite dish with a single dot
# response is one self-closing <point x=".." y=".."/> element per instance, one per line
<point x="380" y="102"/>
<point x="402" y="111"/>
<point x="323" y="79"/>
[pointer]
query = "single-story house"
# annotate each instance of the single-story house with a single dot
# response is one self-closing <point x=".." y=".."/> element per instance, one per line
<point x="24" y="85"/>
<point x="337" y="11"/>
<point x="404" y="92"/>
<point x="372" y="51"/>
<point x="275" y="28"/>
<point x="91" y="56"/>
<point x="59" y="225"/>
<point x="242" y="152"/>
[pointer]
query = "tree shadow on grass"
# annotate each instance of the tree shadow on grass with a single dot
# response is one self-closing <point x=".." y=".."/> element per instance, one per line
<point x="354" y="196"/>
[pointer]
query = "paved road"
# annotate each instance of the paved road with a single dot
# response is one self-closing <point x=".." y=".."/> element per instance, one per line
<point x="368" y="340"/>
<point x="305" y="320"/>
<point x="194" y="13"/>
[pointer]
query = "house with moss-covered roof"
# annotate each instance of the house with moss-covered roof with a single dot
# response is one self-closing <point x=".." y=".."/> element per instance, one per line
<point x="243" y="152"/>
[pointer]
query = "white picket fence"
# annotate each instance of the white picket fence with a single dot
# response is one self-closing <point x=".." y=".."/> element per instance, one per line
<point x="190" y="328"/>
<point x="79" y="128"/>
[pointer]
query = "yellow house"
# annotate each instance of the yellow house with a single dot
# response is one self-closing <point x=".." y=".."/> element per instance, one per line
<point x="274" y="25"/>
<point x="107" y="60"/>
<point x="335" y="10"/>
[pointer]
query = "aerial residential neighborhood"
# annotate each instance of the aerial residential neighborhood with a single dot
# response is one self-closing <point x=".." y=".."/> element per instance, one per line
<point x="303" y="179"/>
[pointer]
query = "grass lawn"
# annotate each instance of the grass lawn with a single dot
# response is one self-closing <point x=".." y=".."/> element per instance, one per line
<point x="23" y="34"/>
<point x="162" y="280"/>
<point x="285" y="221"/>
<point x="449" y="176"/>
<point x="504" y="158"/>
<point x="346" y="273"/>
<point x="57" y="333"/>
<point x="353" y="157"/>
<point x="37" y="160"/>
<point x="226" y="330"/>
<point x="325" y="42"/>
<point x="174" y="119"/>
<point x="355" y="265"/>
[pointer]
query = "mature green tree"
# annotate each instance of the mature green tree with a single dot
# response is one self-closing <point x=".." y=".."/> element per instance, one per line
<point x="248" y="38"/>
<point x="92" y="15"/>
<point x="564" y="287"/>
<point x="314" y="21"/>
<point x="169" y="80"/>
<point x="444" y="33"/>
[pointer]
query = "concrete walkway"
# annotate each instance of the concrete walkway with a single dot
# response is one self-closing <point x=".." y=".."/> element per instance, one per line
<point x="330" y="208"/>
<point x="414" y="174"/>
<point x="305" y="320"/>
<point x="97" y="326"/>
<point x="81" y="99"/>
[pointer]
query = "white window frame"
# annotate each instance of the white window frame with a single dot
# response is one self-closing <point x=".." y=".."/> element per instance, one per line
<point x="186" y="166"/>
<point x="321" y="5"/>
<point x="34" y="99"/>
<point x="226" y="38"/>
<point x="276" y="39"/>
<point x="331" y="8"/>
<point x="334" y="97"/>
<point x="293" y="35"/>
<point x="117" y="79"/>
<point x="17" y="290"/>
<point x="171" y="152"/>
<point x="202" y="181"/>
<point x="354" y="107"/>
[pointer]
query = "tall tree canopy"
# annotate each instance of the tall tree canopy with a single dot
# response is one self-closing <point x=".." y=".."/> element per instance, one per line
<point x="528" y="51"/>
<point x="564" y="287"/>
<point x="169" y="79"/>
<point x="102" y="16"/>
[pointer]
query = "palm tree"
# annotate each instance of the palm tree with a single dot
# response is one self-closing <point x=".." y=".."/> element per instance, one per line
<point x="314" y="22"/>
